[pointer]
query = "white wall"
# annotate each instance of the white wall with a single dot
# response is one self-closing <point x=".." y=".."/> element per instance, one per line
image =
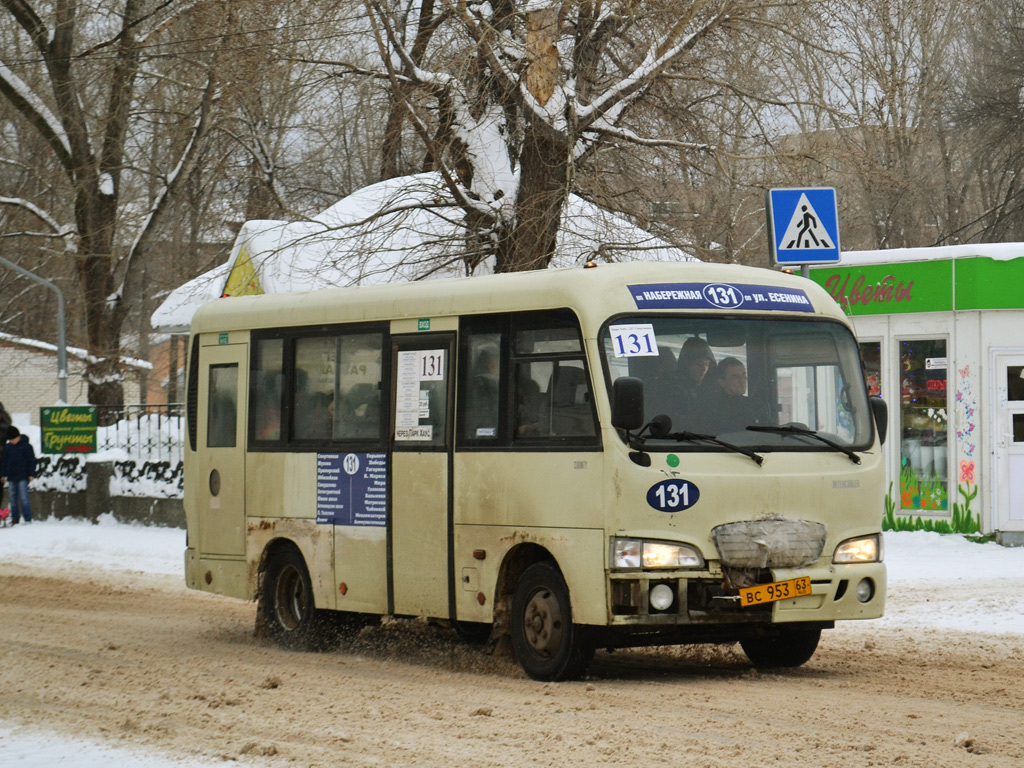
<point x="28" y="380"/>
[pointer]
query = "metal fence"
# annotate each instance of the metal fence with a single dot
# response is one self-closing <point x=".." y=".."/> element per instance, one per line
<point x="146" y="433"/>
<point x="145" y="445"/>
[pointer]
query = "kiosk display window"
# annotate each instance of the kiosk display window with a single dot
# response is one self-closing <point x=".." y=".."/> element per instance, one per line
<point x="871" y="358"/>
<point x="924" y="458"/>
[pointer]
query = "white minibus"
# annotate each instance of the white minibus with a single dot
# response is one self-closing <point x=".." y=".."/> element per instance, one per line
<point x="601" y="457"/>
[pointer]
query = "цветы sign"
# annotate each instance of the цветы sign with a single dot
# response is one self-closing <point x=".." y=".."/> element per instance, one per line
<point x="882" y="289"/>
<point x="939" y="285"/>
<point x="68" y="428"/>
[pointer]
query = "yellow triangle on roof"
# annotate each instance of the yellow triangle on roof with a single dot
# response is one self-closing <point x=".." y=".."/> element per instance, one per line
<point x="243" y="280"/>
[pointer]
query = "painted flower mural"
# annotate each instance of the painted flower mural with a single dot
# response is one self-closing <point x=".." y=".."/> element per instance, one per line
<point x="966" y="407"/>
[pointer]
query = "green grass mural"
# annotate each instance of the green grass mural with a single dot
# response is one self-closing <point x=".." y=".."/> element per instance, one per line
<point x="963" y="519"/>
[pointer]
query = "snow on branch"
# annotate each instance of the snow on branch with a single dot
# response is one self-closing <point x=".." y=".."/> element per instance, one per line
<point x="31" y="22"/>
<point x="607" y="129"/>
<point x="28" y="103"/>
<point x="35" y="210"/>
<point x="420" y="76"/>
<point x="658" y="59"/>
<point x="491" y="186"/>
<point x="256" y="147"/>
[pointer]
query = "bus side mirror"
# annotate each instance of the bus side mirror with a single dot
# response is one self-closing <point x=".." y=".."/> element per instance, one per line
<point x="628" y="403"/>
<point x="880" y="410"/>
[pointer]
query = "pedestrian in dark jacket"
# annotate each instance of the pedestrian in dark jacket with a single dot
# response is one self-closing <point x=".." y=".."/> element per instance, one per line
<point x="5" y="424"/>
<point x="18" y="469"/>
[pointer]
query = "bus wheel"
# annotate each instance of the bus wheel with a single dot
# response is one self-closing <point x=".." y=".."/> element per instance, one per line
<point x="547" y="644"/>
<point x="292" y="619"/>
<point x="784" y="648"/>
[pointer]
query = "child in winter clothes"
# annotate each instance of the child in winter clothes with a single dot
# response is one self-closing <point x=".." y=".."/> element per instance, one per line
<point x="18" y="469"/>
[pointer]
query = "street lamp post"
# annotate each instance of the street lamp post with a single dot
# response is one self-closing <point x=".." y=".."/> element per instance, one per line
<point x="62" y="350"/>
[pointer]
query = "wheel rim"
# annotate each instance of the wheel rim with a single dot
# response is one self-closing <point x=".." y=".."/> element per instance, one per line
<point x="542" y="623"/>
<point x="289" y="598"/>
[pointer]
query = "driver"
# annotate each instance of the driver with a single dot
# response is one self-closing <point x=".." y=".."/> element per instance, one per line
<point x="724" y="405"/>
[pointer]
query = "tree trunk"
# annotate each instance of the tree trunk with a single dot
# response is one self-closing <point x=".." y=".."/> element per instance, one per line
<point x="103" y="319"/>
<point x="543" y="190"/>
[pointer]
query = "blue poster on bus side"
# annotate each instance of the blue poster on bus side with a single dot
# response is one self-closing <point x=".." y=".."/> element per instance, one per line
<point x="352" y="489"/>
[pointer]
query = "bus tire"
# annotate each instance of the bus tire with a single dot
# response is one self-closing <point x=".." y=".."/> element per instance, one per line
<point x="548" y="645"/>
<point x="783" y="648"/>
<point x="290" y="615"/>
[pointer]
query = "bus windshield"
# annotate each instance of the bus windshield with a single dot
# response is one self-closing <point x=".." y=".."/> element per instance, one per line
<point x="764" y="384"/>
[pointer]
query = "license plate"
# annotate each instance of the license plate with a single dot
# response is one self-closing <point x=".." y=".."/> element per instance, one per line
<point x="779" y="590"/>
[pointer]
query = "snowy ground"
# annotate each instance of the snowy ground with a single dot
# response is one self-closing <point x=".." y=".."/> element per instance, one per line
<point x="938" y="582"/>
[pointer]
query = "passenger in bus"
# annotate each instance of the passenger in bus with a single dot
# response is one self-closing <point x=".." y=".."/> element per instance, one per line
<point x="529" y="405"/>
<point x="482" y="397"/>
<point x="321" y="417"/>
<point x="724" y="406"/>
<point x="268" y="406"/>
<point x="361" y="415"/>
<point x="695" y="360"/>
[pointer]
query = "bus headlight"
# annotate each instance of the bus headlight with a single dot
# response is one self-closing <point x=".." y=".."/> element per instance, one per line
<point x="864" y="549"/>
<point x="639" y="553"/>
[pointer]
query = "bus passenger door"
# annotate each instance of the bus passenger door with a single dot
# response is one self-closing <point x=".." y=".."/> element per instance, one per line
<point x="419" y="528"/>
<point x="220" y="492"/>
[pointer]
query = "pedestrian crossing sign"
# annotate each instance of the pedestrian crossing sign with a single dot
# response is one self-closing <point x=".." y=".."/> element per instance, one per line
<point x="803" y="225"/>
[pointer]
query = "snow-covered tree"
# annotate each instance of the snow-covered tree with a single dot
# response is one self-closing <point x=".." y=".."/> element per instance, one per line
<point x="74" y="76"/>
<point x="512" y="97"/>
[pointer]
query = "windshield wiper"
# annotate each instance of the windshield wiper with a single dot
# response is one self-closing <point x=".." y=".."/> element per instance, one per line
<point x="695" y="436"/>
<point x="792" y="429"/>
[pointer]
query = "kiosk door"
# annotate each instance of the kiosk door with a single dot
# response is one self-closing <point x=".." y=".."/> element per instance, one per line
<point x="1009" y="442"/>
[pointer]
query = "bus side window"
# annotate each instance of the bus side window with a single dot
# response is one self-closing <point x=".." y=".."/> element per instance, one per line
<point x="483" y="395"/>
<point x="357" y="409"/>
<point x="313" y="393"/>
<point x="267" y="380"/>
<point x="523" y="381"/>
<point x="571" y="413"/>
<point x="552" y="390"/>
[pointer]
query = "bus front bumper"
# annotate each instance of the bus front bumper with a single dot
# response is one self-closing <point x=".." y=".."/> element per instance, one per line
<point x="838" y="592"/>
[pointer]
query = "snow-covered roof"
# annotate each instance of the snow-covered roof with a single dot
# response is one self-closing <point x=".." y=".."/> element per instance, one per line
<point x="397" y="230"/>
<point x="175" y="313"/>
<point x="997" y="251"/>
<point x="76" y="352"/>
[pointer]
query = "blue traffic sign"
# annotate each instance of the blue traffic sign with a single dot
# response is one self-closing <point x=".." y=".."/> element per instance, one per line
<point x="803" y="225"/>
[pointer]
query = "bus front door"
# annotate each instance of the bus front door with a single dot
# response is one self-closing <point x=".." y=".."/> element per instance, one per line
<point x="419" y="528"/>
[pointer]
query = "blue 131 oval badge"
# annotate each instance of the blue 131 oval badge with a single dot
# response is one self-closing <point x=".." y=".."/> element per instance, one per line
<point x="673" y="495"/>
